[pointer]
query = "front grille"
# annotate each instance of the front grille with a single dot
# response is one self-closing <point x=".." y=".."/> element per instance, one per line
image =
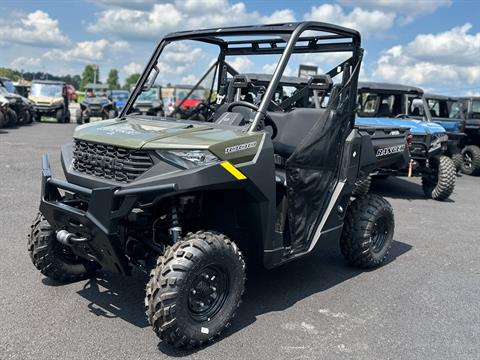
<point x="110" y="162"/>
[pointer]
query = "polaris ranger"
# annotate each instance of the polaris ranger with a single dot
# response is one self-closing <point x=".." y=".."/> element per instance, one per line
<point x="447" y="112"/>
<point x="381" y="104"/>
<point x="471" y="152"/>
<point x="150" y="102"/>
<point x="97" y="103"/>
<point x="185" y="200"/>
<point x="50" y="98"/>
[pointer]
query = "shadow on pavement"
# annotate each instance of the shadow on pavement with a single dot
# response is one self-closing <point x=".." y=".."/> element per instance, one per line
<point x="115" y="296"/>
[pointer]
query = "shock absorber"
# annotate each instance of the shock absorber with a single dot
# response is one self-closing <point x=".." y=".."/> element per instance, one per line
<point x="175" y="229"/>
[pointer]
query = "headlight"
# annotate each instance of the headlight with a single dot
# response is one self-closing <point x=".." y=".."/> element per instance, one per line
<point x="188" y="159"/>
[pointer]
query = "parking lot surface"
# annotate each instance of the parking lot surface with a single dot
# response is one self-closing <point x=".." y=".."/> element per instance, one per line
<point x="423" y="304"/>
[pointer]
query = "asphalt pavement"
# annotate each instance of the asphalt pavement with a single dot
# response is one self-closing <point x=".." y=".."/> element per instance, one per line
<point x="424" y="303"/>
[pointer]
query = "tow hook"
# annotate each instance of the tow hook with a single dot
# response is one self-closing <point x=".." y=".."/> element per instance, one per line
<point x="67" y="238"/>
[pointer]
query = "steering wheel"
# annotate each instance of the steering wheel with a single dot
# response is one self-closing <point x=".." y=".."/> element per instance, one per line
<point x="268" y="120"/>
<point x="401" y="116"/>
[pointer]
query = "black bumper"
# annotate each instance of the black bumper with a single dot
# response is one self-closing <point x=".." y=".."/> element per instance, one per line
<point x="94" y="214"/>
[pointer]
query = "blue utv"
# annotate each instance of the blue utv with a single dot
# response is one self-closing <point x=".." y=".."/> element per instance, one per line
<point x="382" y="104"/>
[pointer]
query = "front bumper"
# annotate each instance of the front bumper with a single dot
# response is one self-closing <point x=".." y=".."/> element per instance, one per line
<point x="94" y="214"/>
<point x="46" y="108"/>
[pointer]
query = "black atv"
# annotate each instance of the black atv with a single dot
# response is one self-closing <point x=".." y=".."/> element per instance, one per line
<point x="471" y="152"/>
<point x="21" y="110"/>
<point x="150" y="102"/>
<point x="447" y="112"/>
<point x="185" y="200"/>
<point x="97" y="103"/>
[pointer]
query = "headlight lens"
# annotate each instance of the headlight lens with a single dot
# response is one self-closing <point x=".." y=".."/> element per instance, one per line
<point x="188" y="159"/>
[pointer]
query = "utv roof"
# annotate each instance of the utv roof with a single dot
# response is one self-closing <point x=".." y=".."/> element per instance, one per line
<point x="387" y="87"/>
<point x="276" y="35"/>
<point x="469" y="98"/>
<point x="96" y="86"/>
<point x="441" y="97"/>
<point x="285" y="80"/>
<point x="51" y="82"/>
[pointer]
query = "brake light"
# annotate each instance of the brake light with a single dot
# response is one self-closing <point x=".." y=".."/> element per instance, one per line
<point x="410" y="139"/>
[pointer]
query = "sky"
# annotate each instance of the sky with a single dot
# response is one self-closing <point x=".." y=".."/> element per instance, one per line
<point x="431" y="44"/>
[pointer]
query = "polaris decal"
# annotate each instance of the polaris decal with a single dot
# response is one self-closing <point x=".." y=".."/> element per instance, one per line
<point x="390" y="150"/>
<point x="240" y="147"/>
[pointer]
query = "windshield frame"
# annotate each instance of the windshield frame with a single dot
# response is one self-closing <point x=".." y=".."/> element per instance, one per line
<point x="337" y="39"/>
<point x="43" y="86"/>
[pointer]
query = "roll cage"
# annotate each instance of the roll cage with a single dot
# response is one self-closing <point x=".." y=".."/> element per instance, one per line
<point x="289" y="39"/>
<point x="401" y="96"/>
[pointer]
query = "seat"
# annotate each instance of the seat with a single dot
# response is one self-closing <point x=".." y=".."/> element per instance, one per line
<point x="293" y="126"/>
<point x="384" y="110"/>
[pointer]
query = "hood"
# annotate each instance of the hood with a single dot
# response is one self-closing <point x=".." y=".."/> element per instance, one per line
<point x="450" y="125"/>
<point x="136" y="132"/>
<point x="45" y="99"/>
<point x="417" y="127"/>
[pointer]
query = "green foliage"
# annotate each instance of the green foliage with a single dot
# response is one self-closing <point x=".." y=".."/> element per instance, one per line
<point x="130" y="81"/>
<point x="11" y="74"/>
<point x="88" y="75"/>
<point x="112" y="79"/>
<point x="15" y="75"/>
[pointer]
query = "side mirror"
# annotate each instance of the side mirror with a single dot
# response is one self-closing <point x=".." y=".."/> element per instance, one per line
<point x="149" y="85"/>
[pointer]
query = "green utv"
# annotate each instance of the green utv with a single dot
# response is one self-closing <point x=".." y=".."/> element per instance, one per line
<point x="185" y="200"/>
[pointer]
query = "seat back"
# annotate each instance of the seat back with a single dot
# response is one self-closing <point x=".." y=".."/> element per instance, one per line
<point x="293" y="126"/>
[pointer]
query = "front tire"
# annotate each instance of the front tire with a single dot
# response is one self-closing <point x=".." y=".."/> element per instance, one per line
<point x="471" y="160"/>
<point x="53" y="259"/>
<point x="439" y="185"/>
<point x="367" y="232"/>
<point x="60" y="115"/>
<point x="195" y="289"/>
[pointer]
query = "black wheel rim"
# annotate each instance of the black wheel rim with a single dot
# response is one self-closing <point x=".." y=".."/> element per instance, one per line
<point x="380" y="233"/>
<point x="467" y="160"/>
<point x="208" y="293"/>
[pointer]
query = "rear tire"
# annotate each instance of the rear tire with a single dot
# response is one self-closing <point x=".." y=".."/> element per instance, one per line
<point x="362" y="186"/>
<point x="471" y="160"/>
<point x="440" y="184"/>
<point x="367" y="232"/>
<point x="53" y="259"/>
<point x="457" y="161"/>
<point x="195" y="289"/>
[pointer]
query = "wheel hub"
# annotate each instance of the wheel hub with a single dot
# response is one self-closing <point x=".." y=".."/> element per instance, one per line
<point x="207" y="293"/>
<point x="467" y="160"/>
<point x="379" y="235"/>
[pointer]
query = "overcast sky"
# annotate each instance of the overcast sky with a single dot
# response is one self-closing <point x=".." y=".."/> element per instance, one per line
<point x="432" y="44"/>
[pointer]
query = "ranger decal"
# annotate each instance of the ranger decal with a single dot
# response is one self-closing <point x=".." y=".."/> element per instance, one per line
<point x="390" y="150"/>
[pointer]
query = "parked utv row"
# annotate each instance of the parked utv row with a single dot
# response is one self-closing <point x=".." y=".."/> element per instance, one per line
<point x="14" y="109"/>
<point x="255" y="173"/>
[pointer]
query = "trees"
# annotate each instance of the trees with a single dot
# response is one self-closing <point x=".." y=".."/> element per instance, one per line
<point x="90" y="73"/>
<point x="112" y="79"/>
<point x="10" y="74"/>
<point x="131" y="80"/>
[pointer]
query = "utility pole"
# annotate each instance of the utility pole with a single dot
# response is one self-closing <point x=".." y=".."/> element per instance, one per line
<point x="95" y="73"/>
